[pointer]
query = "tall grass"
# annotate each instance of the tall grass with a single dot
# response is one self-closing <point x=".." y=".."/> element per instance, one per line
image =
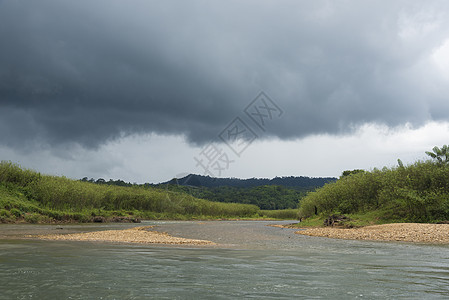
<point x="418" y="192"/>
<point x="67" y="195"/>
<point x="285" y="214"/>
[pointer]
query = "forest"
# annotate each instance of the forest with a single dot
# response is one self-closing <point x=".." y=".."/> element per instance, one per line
<point x="267" y="197"/>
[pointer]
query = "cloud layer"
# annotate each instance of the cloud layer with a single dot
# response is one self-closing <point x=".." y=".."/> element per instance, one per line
<point x="89" y="72"/>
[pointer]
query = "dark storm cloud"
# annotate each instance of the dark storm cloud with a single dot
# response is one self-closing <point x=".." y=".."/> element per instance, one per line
<point x="91" y="71"/>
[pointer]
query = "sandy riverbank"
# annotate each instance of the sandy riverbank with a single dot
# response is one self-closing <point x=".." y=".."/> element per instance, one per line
<point x="405" y="232"/>
<point x="133" y="235"/>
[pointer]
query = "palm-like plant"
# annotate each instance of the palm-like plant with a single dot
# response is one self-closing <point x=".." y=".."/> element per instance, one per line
<point x="440" y="154"/>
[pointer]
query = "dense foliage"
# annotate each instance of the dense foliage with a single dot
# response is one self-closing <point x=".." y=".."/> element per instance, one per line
<point x="301" y="182"/>
<point x="418" y="192"/>
<point x="265" y="197"/>
<point x="440" y="155"/>
<point x="25" y="192"/>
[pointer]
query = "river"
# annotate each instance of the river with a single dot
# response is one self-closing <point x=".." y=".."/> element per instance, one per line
<point x="251" y="260"/>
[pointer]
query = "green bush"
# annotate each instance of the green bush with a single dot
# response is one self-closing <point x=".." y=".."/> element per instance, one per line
<point x="32" y="218"/>
<point x="12" y="173"/>
<point x="418" y="192"/>
<point x="16" y="213"/>
<point x="5" y="213"/>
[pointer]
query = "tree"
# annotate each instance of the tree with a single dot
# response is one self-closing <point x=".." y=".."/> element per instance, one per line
<point x="351" y="172"/>
<point x="100" y="181"/>
<point x="441" y="155"/>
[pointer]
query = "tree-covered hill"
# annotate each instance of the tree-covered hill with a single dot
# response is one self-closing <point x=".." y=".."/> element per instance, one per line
<point x="267" y="197"/>
<point x="299" y="182"/>
<point x="267" y="194"/>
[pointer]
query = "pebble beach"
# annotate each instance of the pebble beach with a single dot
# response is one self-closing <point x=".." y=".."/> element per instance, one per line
<point x="404" y="232"/>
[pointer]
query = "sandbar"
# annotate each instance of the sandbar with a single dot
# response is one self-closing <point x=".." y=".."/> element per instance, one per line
<point x="139" y="235"/>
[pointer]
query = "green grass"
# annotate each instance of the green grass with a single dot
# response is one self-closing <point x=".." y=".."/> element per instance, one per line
<point x="375" y="217"/>
<point x="283" y="214"/>
<point x="29" y="196"/>
<point x="311" y="222"/>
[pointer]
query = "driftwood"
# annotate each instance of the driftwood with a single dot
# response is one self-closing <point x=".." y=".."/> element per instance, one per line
<point x="335" y="220"/>
<point x="100" y="219"/>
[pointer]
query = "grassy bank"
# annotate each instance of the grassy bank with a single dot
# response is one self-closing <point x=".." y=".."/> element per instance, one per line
<point x="283" y="214"/>
<point x="414" y="193"/>
<point x="29" y="196"/>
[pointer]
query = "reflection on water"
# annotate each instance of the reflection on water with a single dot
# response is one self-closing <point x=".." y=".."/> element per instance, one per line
<point x="253" y="261"/>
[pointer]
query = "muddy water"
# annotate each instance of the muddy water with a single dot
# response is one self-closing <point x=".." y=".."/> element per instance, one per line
<point x="252" y="260"/>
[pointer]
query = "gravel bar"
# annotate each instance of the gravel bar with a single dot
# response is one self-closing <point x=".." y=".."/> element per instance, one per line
<point x="133" y="235"/>
<point x="404" y="232"/>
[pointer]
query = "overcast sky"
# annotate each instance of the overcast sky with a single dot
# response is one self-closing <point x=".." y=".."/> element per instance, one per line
<point x="149" y="90"/>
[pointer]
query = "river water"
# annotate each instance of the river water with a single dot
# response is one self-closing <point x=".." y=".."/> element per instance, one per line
<point x="252" y="260"/>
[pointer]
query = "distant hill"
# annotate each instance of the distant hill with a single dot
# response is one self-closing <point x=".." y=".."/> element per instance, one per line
<point x="267" y="194"/>
<point x="300" y="182"/>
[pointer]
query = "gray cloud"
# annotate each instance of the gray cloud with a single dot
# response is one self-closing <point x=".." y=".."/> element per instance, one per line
<point x="92" y="71"/>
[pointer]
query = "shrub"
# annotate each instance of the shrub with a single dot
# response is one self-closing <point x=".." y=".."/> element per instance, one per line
<point x="16" y="213"/>
<point x="5" y="213"/>
<point x="418" y="192"/>
<point x="32" y="218"/>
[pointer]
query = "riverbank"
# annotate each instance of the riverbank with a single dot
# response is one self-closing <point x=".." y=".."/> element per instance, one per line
<point x="141" y="235"/>
<point x="404" y="232"/>
<point x="202" y="233"/>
